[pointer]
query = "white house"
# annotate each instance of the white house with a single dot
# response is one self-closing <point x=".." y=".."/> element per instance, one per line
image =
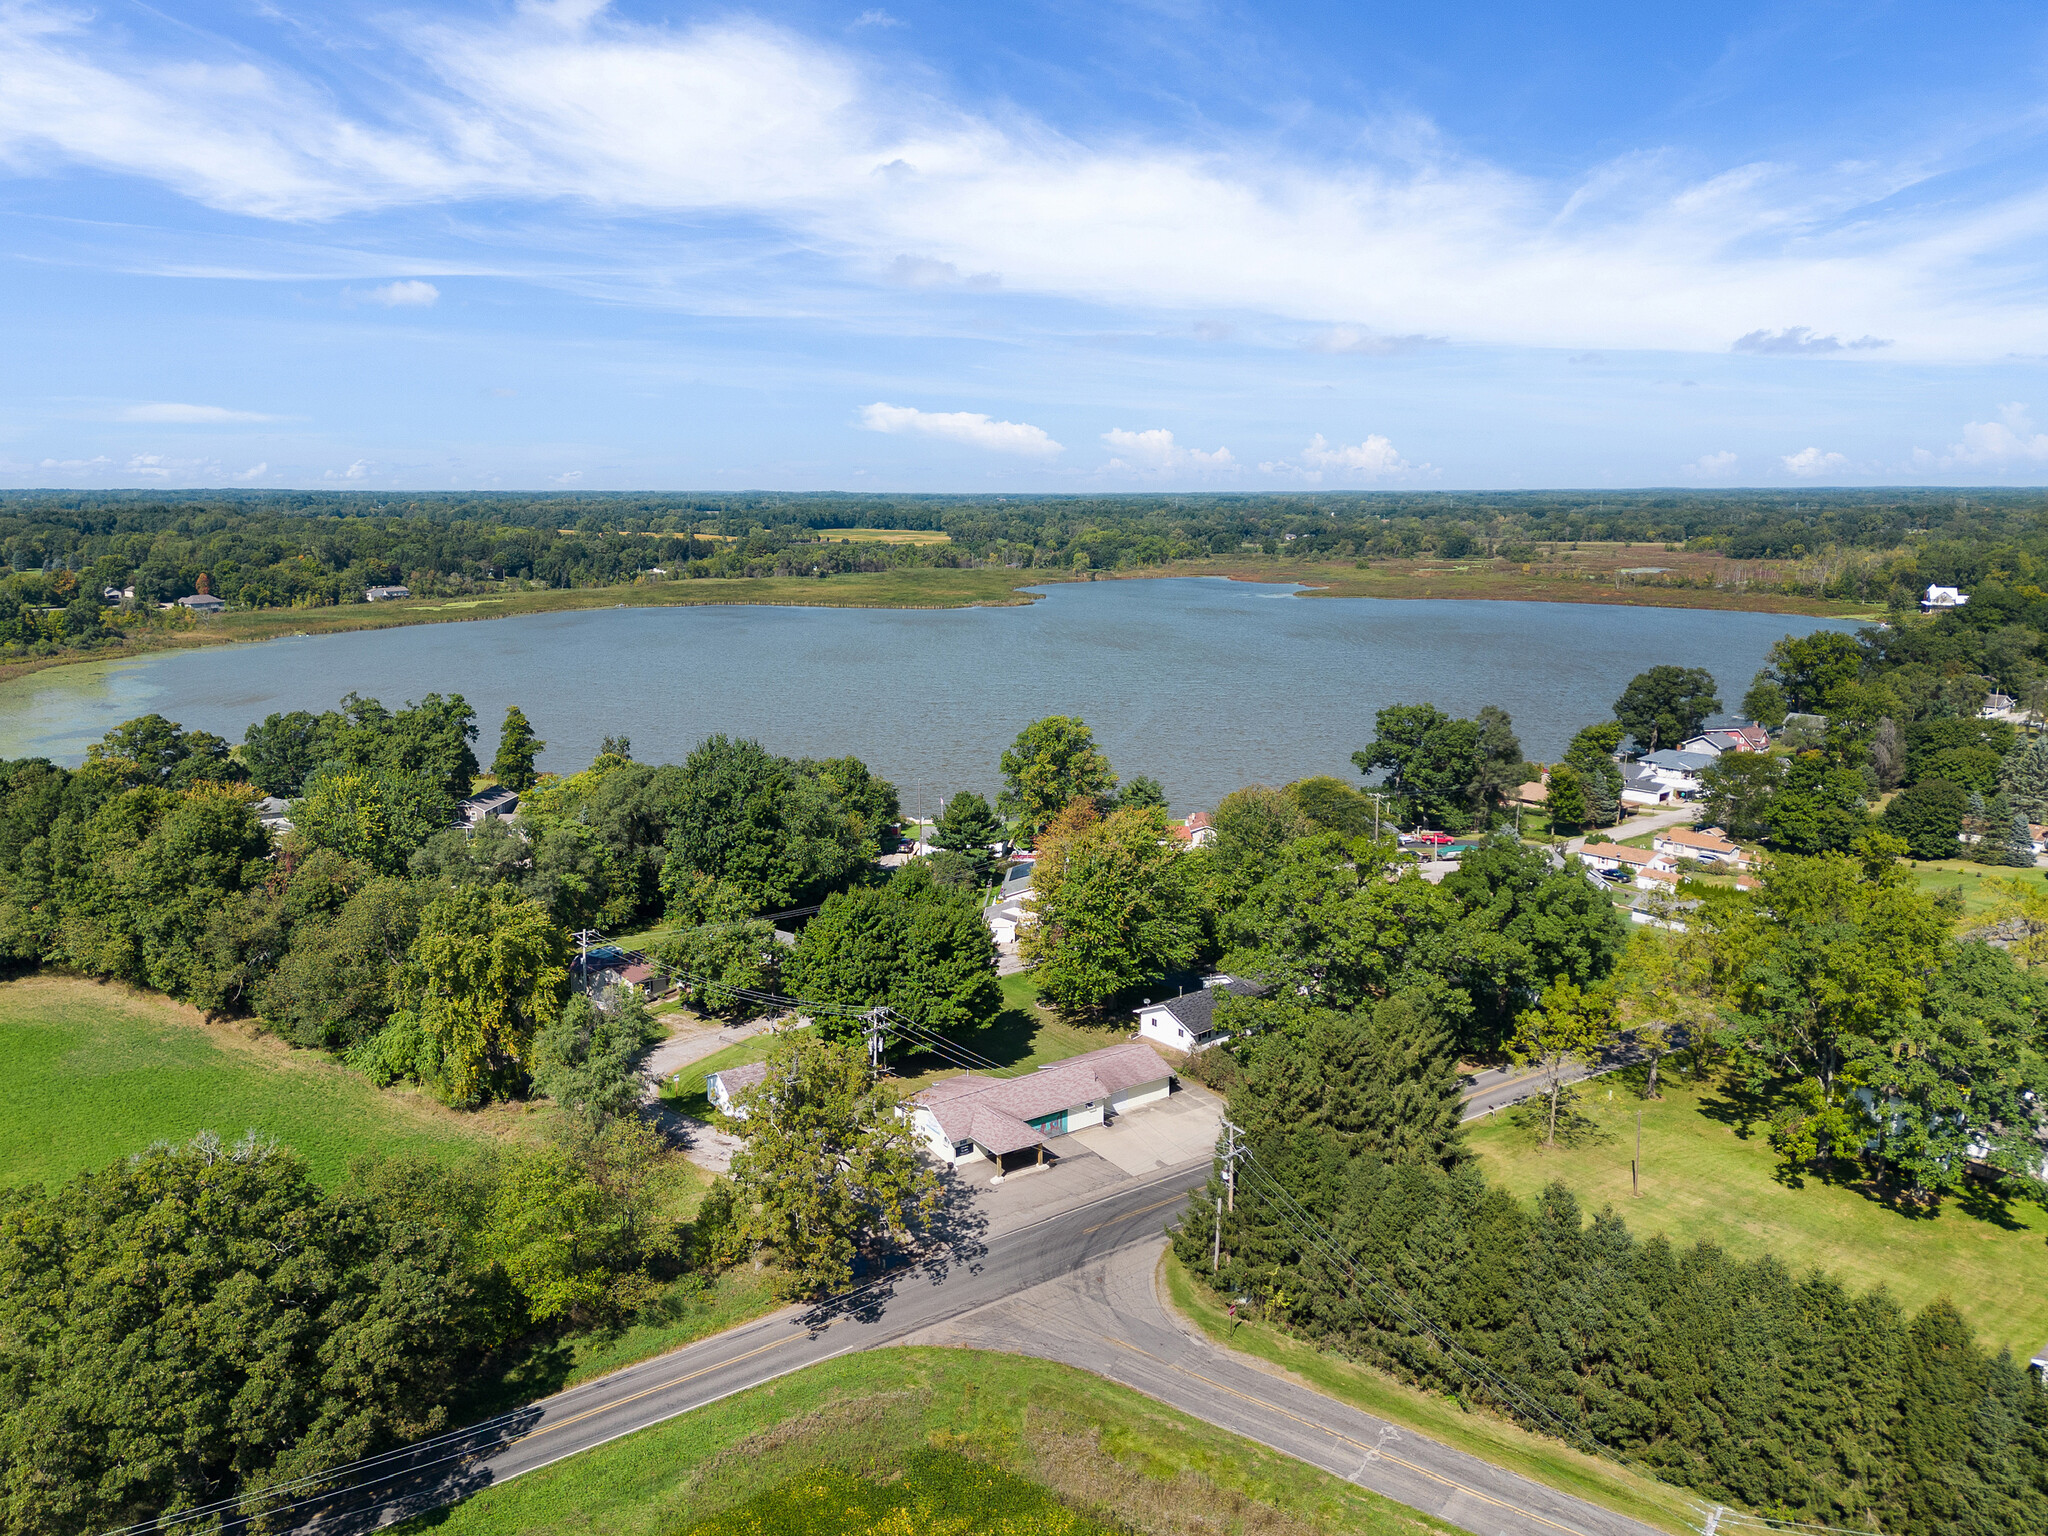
<point x="1004" y="919"/>
<point x="1709" y="847"/>
<point x="199" y="602"/>
<point x="724" y="1088"/>
<point x="1613" y="858"/>
<point x="385" y="594"/>
<point x="1641" y="786"/>
<point x="1188" y="1022"/>
<point x="474" y="810"/>
<point x="1677" y="770"/>
<point x="1938" y="598"/>
<point x="1012" y="1121"/>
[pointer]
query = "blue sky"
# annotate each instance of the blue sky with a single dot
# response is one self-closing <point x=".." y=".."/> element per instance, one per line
<point x="1044" y="246"/>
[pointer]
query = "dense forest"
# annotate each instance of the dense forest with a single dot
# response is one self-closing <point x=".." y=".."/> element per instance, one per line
<point x="281" y="549"/>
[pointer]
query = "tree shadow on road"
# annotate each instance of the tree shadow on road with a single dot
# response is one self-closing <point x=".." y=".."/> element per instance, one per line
<point x="956" y="1238"/>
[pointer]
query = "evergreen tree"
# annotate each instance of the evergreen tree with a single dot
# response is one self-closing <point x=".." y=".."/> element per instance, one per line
<point x="1566" y="800"/>
<point x="2023" y="775"/>
<point x="517" y="749"/>
<point x="1591" y="756"/>
<point x="967" y="826"/>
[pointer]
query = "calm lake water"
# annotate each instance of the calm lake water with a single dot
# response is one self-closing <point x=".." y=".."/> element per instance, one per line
<point x="1205" y="684"/>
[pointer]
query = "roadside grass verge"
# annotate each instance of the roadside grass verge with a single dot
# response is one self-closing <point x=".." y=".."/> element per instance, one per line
<point x="1103" y="1449"/>
<point x="1709" y="1174"/>
<point x="96" y="1071"/>
<point x="1478" y="1433"/>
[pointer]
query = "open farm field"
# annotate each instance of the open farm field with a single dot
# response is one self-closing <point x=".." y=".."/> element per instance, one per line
<point x="1710" y="1175"/>
<point x="885" y="535"/>
<point x="1091" y="1455"/>
<point x="94" y="1072"/>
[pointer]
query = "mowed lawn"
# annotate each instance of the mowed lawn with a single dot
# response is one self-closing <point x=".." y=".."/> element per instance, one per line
<point x="1709" y="1178"/>
<point x="1089" y="1439"/>
<point x="94" y="1072"/>
<point x="1024" y="1034"/>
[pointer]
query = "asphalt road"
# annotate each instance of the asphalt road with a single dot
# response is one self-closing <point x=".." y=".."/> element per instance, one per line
<point x="1107" y="1317"/>
<point x="975" y="1271"/>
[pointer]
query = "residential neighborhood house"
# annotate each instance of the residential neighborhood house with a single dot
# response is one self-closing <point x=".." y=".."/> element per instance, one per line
<point x="1188" y="1022"/>
<point x="385" y="594"/>
<point x="1198" y="831"/>
<point x="1708" y="846"/>
<point x="1677" y="770"/>
<point x="1012" y="1121"/>
<point x="1942" y="597"/>
<point x="1641" y="786"/>
<point x="1740" y="738"/>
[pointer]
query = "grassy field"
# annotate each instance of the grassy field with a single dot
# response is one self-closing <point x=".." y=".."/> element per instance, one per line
<point x="1710" y="1175"/>
<point x="1937" y="877"/>
<point x="884" y="536"/>
<point x="94" y="1072"/>
<point x="1101" y="1447"/>
<point x="1480" y="1434"/>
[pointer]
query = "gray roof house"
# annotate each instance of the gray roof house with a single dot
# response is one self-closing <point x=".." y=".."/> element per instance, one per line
<point x="1188" y="1022"/>
<point x="385" y="594"/>
<point x="724" y="1088"/>
<point x="199" y="602"/>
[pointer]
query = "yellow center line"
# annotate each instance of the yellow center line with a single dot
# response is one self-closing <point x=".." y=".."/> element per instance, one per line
<point x="1127" y="1215"/>
<point x="1338" y="1434"/>
<point x="620" y="1402"/>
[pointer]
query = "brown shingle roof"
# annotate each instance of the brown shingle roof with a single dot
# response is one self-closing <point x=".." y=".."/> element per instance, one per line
<point x="981" y="1108"/>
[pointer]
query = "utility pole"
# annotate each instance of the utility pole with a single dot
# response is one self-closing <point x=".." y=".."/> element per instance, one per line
<point x="1227" y="1201"/>
<point x="875" y="1028"/>
<point x="1635" y="1169"/>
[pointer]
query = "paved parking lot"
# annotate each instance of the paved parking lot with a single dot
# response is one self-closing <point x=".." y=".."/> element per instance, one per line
<point x="1176" y="1130"/>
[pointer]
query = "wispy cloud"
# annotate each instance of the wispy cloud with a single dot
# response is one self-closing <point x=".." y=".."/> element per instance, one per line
<point x="1713" y="466"/>
<point x="968" y="427"/>
<point x="409" y="293"/>
<point x="1360" y="342"/>
<point x="875" y="17"/>
<point x="359" y="470"/>
<point x="173" y="413"/>
<point x="605" y="120"/>
<point x="1799" y="340"/>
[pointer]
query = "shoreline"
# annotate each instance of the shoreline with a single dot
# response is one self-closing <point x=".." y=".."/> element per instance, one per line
<point x="939" y="588"/>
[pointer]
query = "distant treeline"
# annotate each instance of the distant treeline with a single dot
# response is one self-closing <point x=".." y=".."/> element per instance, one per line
<point x="264" y="549"/>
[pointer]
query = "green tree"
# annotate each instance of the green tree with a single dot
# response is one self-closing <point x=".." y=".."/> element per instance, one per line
<point x="1141" y="793"/>
<point x="828" y="1170"/>
<point x="968" y="827"/>
<point x="585" y="1059"/>
<point x="1431" y="760"/>
<point x="1738" y="790"/>
<point x="1765" y="703"/>
<point x="1811" y="669"/>
<point x="912" y="945"/>
<point x="1331" y="805"/>
<point x="193" y="1323"/>
<point x="1253" y="823"/>
<point x="1666" y="705"/>
<point x="1567" y="1025"/>
<point x="1929" y="816"/>
<point x="2023" y="775"/>
<point x="486" y="971"/>
<point x="1591" y="757"/>
<point x="518" y="748"/>
<point x="380" y="816"/>
<point x="1052" y="763"/>
<point x="725" y="954"/>
<point x="1566" y="799"/>
<point x="333" y="987"/>
<point x="282" y="750"/>
<point x="774" y="829"/>
<point x="153" y="750"/>
<point x="1113" y="912"/>
<point x="1821" y="807"/>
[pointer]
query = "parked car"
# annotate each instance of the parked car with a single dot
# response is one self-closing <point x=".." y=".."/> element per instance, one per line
<point x="1430" y="839"/>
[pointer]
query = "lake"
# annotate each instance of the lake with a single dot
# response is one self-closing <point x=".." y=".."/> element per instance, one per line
<point x="1204" y="683"/>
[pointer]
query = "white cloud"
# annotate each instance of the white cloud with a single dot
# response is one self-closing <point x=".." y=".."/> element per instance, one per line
<point x="875" y="17"/>
<point x="192" y="415"/>
<point x="1714" y="466"/>
<point x="2010" y="440"/>
<point x="1155" y="452"/>
<point x="93" y="463"/>
<point x="1359" y="341"/>
<point x="410" y="293"/>
<point x="1374" y="459"/>
<point x="969" y="427"/>
<point x="254" y="472"/>
<point x="567" y="477"/>
<point x="573" y="108"/>
<point x="356" y="471"/>
<point x="1810" y="462"/>
<point x="1799" y="339"/>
